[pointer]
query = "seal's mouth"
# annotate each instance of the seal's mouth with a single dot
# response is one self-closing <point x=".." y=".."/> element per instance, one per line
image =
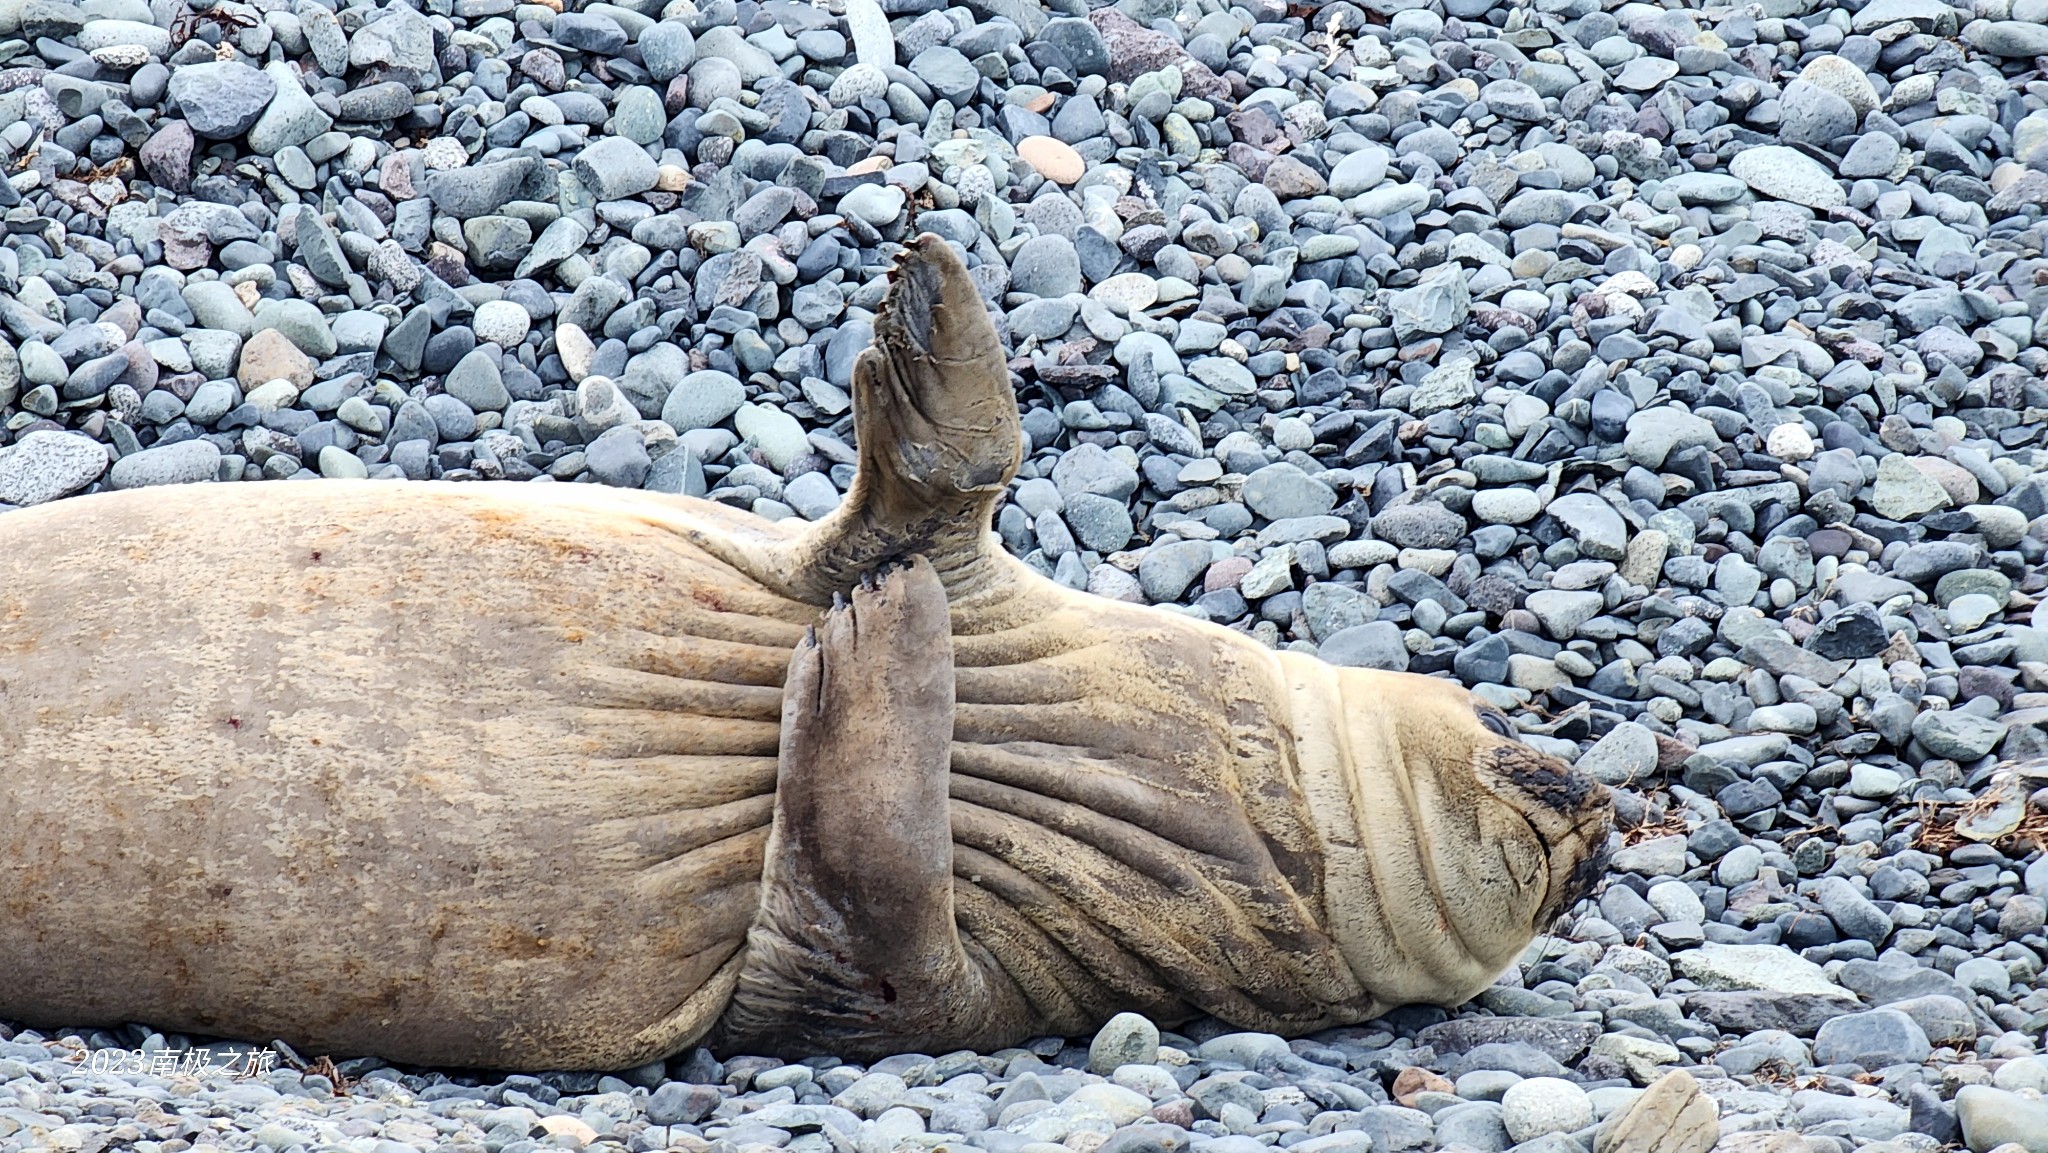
<point x="1581" y="882"/>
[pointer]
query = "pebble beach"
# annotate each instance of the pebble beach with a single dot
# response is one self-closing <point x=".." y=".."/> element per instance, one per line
<point x="1674" y="375"/>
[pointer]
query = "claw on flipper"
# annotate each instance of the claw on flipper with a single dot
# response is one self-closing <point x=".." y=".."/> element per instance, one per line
<point x="932" y="306"/>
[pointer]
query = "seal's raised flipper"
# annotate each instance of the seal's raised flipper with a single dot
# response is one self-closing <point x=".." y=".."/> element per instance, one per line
<point x="855" y="948"/>
<point x="938" y="433"/>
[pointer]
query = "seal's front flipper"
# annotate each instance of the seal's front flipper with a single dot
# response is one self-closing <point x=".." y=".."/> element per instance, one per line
<point x="938" y="433"/>
<point x="855" y="949"/>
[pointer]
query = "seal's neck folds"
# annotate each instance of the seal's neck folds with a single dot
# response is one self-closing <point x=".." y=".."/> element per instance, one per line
<point x="1380" y="816"/>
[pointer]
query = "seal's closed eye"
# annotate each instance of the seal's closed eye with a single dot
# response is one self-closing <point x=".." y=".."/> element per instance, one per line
<point x="1497" y="722"/>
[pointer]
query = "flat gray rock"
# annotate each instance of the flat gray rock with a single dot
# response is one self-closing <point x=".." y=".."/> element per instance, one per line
<point x="221" y="99"/>
<point x="1788" y="174"/>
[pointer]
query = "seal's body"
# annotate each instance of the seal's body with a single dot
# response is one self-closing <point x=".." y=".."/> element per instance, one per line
<point x="455" y="777"/>
<point x="526" y="776"/>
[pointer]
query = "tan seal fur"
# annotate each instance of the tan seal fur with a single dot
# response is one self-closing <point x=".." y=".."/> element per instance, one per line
<point x="547" y="776"/>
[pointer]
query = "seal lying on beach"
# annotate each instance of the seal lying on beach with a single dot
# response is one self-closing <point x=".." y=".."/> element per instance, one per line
<point x="550" y="776"/>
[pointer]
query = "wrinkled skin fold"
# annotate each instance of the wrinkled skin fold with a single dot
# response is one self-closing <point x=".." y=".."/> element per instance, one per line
<point x="556" y="776"/>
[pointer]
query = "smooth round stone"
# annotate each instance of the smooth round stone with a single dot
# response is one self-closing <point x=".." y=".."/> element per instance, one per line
<point x="876" y="204"/>
<point x="1706" y="187"/>
<point x="638" y="115"/>
<point x="1539" y="1105"/>
<point x="812" y="495"/>
<point x="2008" y="38"/>
<point x="858" y="84"/>
<point x="1506" y="505"/>
<point x="1246" y="1049"/>
<point x="1789" y="717"/>
<point x="40" y="364"/>
<point x="358" y="414"/>
<point x="1995" y="1119"/>
<point x="1127" y="292"/>
<point x="1787" y="174"/>
<point x="703" y="399"/>
<point x="501" y="322"/>
<point x="822" y="45"/>
<point x="337" y="463"/>
<point x="1053" y="159"/>
<point x="98" y="34"/>
<point x="1790" y="442"/>
<point x="1970" y="610"/>
<point x="1874" y="155"/>
<point x="1359" y="172"/>
<point x="1844" y="79"/>
<point x="600" y="406"/>
<point x="297" y="170"/>
<point x="1877" y="1039"/>
<point x="667" y="49"/>
<point x="1645" y="73"/>
<point x="776" y="433"/>
<point x="1814" y="116"/>
<point x="618" y="457"/>
<point x="1677" y="902"/>
<point x="211" y="401"/>
<point x="1377" y="645"/>
<point x="272" y="395"/>
<point x="1047" y="267"/>
<point x="1874" y="782"/>
<point x="1100" y="523"/>
<point x="1956" y="734"/>
<point x="148" y="84"/>
<point x="2023" y="1074"/>
<point x="476" y="381"/>
<point x="1740" y="866"/>
<point x="1125" y="1039"/>
<point x="1486" y="1084"/>
<point x="186" y="462"/>
<point x="1627" y="752"/>
<point x="2002" y="527"/>
<point x="1984" y="975"/>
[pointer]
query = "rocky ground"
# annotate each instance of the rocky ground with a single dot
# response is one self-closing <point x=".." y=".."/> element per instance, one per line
<point x="1673" y="376"/>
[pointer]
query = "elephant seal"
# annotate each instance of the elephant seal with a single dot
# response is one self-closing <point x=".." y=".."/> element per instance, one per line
<point x="525" y="776"/>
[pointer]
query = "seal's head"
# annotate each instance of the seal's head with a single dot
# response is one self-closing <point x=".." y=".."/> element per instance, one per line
<point x="1467" y="841"/>
<point x="1568" y="813"/>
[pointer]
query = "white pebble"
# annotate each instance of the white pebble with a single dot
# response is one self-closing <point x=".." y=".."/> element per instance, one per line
<point x="501" y="322"/>
<point x="1540" y="1105"/>
<point x="1790" y="442"/>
